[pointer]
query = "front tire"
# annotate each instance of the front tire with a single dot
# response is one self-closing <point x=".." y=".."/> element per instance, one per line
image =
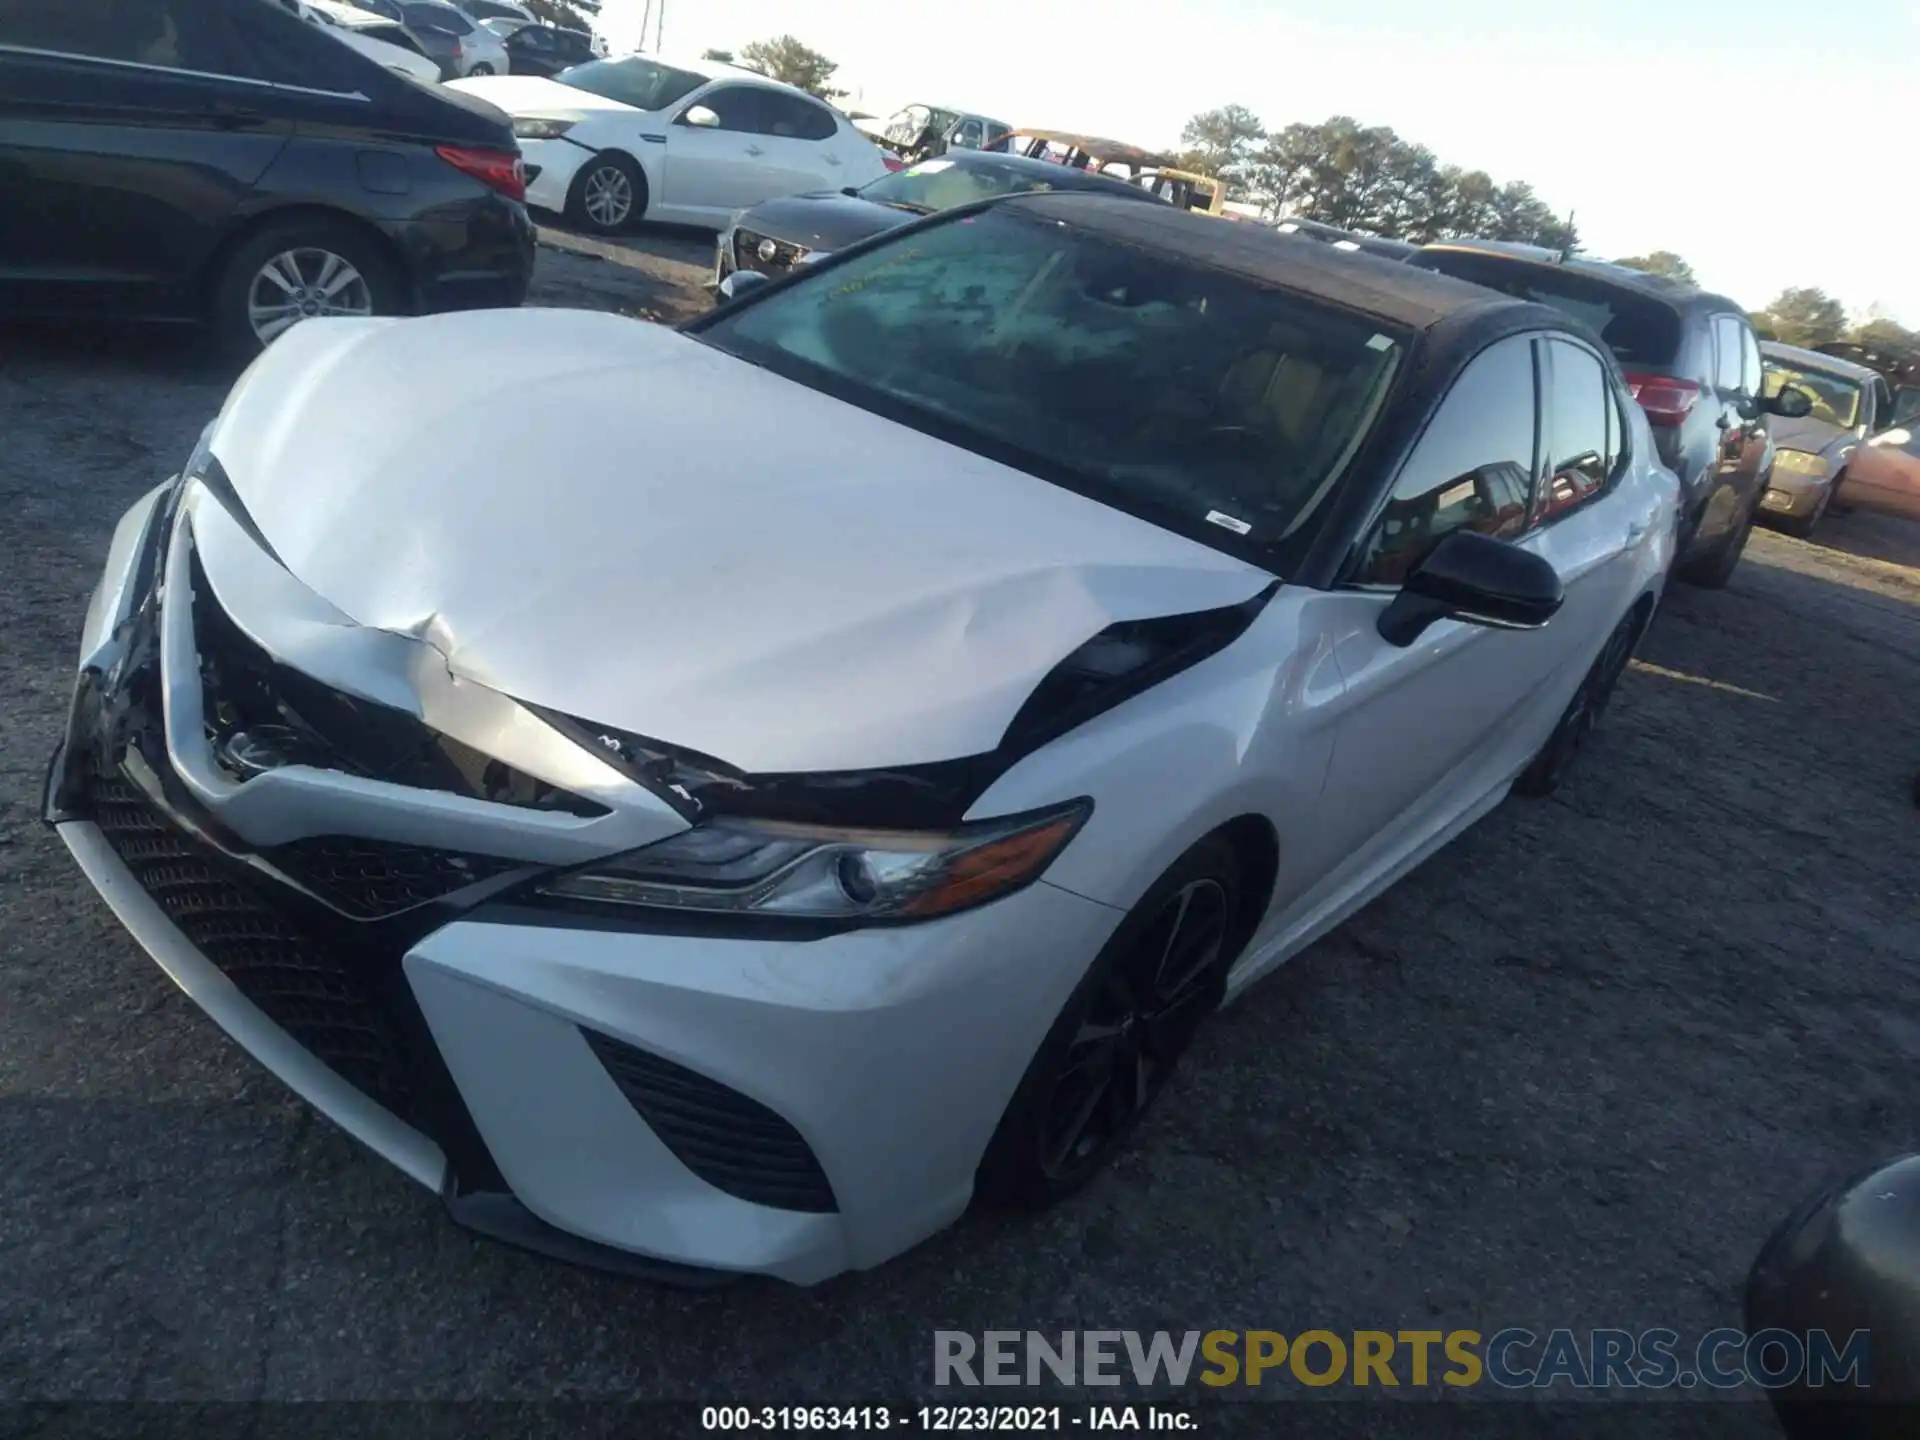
<point x="298" y="269"/>
<point x="608" y="195"/>
<point x="1585" y="711"/>
<point x="483" y="68"/>
<point x="1122" y="1031"/>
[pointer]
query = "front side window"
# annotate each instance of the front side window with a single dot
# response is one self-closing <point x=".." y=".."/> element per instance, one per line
<point x="1472" y="468"/>
<point x="1203" y="401"/>
<point x="172" y="34"/>
<point x="633" y="81"/>
<point x="737" y="106"/>
<point x="1836" y="399"/>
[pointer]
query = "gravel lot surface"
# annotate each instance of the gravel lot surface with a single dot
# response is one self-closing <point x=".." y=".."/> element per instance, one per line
<point x="1569" y="1073"/>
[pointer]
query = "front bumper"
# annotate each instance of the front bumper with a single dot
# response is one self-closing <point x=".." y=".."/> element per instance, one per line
<point x="551" y="166"/>
<point x="642" y="1097"/>
<point x="1793" y="495"/>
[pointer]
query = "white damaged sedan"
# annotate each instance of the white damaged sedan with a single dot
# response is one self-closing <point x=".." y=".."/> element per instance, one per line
<point x="834" y="784"/>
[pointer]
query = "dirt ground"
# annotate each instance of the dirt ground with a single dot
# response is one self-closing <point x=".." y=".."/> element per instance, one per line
<point x="1569" y="1073"/>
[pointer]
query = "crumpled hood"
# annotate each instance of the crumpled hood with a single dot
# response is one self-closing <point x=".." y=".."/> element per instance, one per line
<point x="1817" y="437"/>
<point x="525" y="95"/>
<point x="610" y="519"/>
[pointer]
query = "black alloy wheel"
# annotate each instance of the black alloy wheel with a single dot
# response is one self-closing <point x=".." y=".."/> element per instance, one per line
<point x="1584" y="712"/>
<point x="1121" y="1034"/>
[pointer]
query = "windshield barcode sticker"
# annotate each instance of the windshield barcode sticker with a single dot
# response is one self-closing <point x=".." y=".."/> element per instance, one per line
<point x="1228" y="522"/>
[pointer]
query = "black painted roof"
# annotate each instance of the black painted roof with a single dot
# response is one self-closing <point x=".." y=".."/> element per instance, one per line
<point x="1387" y="289"/>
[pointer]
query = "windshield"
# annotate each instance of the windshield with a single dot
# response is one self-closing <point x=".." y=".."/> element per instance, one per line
<point x="632" y="81"/>
<point x="1836" y="399"/>
<point x="1199" y="400"/>
<point x="944" y="184"/>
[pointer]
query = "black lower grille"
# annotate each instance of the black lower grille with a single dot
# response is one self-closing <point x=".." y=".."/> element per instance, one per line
<point x="310" y="988"/>
<point x="372" y="879"/>
<point x="729" y="1140"/>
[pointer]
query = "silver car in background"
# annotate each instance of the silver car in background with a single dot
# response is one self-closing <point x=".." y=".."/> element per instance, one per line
<point x="451" y="37"/>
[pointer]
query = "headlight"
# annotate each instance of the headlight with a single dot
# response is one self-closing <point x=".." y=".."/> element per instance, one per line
<point x="762" y="867"/>
<point x="542" y="129"/>
<point x="1799" y="462"/>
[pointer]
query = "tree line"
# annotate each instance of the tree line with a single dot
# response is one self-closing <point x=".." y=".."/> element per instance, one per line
<point x="1367" y="178"/>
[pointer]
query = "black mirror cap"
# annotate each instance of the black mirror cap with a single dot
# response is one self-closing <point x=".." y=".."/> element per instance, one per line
<point x="853" y="190"/>
<point x="1477" y="579"/>
<point x="741" y="283"/>
<point x="1792" y="403"/>
<point x="1839" y="1271"/>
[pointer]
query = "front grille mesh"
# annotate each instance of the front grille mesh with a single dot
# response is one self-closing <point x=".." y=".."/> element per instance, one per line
<point x="306" y="986"/>
<point x="730" y="1140"/>
<point x="372" y="879"/>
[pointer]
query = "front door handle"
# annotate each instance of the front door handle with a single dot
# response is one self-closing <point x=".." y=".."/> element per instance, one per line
<point x="233" y="117"/>
<point x="755" y="150"/>
<point x="1636" y="533"/>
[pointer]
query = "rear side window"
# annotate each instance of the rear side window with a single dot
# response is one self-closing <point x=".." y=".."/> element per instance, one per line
<point x="1641" y="331"/>
<point x="390" y="34"/>
<point x="439" y="17"/>
<point x="1728" y="360"/>
<point x="1581" y="429"/>
<point x="1472" y="469"/>
<point x="794" y="118"/>
<point x="1752" y="375"/>
<point x="280" y="49"/>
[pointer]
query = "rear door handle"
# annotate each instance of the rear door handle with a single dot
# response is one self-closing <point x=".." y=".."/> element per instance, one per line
<point x="755" y="150"/>
<point x="1637" y="532"/>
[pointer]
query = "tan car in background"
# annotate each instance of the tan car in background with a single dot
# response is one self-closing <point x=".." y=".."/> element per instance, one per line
<point x="1151" y="170"/>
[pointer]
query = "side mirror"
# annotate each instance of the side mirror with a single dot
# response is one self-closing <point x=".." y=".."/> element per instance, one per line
<point x="1792" y="403"/>
<point x="1477" y="579"/>
<point x="852" y="190"/>
<point x="701" y="116"/>
<point x="740" y="283"/>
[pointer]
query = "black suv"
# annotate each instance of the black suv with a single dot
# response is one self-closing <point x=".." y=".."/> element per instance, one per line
<point x="1691" y="360"/>
<point x="547" y="49"/>
<point x="221" y="160"/>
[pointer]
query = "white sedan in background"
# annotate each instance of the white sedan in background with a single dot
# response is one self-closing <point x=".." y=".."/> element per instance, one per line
<point x="691" y="142"/>
<point x="372" y="35"/>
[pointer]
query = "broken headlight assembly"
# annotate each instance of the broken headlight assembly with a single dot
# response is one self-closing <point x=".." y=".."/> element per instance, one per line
<point x="735" y="866"/>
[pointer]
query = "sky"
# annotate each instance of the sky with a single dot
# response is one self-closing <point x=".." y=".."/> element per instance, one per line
<point x="1755" y="138"/>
